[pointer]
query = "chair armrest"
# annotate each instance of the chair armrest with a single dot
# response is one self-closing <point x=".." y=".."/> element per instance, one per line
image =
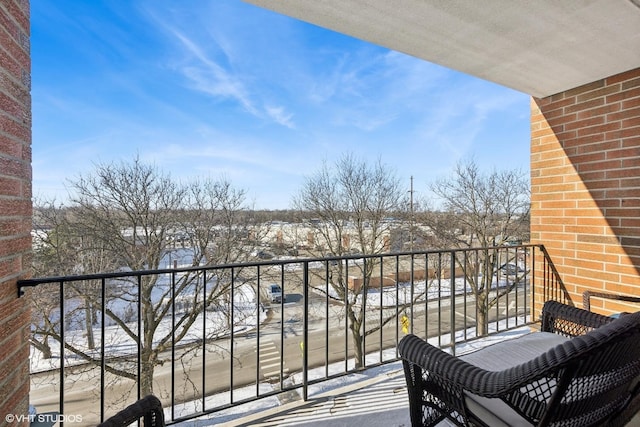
<point x="148" y="408"/>
<point x="587" y="295"/>
<point x="570" y="321"/>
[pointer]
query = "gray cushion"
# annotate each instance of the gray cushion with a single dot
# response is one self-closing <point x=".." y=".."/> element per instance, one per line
<point x="498" y="357"/>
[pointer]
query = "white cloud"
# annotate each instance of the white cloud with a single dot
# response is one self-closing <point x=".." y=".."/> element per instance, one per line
<point x="279" y="115"/>
<point x="209" y="77"/>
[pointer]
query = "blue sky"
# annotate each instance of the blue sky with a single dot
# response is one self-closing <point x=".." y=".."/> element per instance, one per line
<point x="220" y="88"/>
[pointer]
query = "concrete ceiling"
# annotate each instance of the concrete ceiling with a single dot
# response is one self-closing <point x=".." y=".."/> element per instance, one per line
<point x="539" y="47"/>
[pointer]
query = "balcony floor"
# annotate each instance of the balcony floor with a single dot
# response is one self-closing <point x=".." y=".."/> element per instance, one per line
<point x="378" y="401"/>
<point x="377" y="397"/>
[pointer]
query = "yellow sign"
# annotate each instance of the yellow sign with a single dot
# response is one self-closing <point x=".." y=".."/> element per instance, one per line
<point x="405" y="324"/>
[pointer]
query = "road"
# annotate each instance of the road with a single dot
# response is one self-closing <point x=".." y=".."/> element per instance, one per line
<point x="278" y="351"/>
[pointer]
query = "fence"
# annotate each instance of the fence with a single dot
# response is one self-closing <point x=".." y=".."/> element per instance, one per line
<point x="205" y="339"/>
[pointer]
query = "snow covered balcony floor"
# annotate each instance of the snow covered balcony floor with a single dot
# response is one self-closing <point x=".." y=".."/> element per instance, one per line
<point x="376" y="397"/>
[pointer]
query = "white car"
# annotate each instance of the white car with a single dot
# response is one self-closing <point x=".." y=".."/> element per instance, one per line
<point x="275" y="293"/>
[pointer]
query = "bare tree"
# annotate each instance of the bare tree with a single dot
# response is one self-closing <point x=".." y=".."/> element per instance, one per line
<point x="349" y="206"/>
<point x="60" y="250"/>
<point x="130" y="215"/>
<point x="480" y="210"/>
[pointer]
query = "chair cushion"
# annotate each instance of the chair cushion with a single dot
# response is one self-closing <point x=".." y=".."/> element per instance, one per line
<point x="498" y="357"/>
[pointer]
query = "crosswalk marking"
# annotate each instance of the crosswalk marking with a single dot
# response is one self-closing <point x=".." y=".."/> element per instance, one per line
<point x="269" y="353"/>
<point x="270" y="365"/>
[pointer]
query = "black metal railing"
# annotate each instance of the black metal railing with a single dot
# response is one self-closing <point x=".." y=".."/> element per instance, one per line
<point x="205" y="339"/>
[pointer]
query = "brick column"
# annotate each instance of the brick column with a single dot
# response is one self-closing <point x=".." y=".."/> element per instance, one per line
<point x="585" y="185"/>
<point x="15" y="204"/>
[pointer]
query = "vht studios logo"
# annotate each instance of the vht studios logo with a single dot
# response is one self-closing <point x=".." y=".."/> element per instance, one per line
<point x="48" y="418"/>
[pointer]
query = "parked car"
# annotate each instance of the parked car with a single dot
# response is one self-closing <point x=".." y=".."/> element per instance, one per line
<point x="275" y="293"/>
<point x="264" y="255"/>
<point x="511" y="269"/>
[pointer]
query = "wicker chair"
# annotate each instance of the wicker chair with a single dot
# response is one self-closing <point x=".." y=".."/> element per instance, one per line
<point x="148" y="408"/>
<point x="582" y="369"/>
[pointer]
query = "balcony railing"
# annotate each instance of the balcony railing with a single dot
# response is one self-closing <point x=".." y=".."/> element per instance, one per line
<point x="205" y="339"/>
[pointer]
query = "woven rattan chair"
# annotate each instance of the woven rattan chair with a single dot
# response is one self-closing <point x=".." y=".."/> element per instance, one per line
<point x="581" y="370"/>
<point x="148" y="408"/>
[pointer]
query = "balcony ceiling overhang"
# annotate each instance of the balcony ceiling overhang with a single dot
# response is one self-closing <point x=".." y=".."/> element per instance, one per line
<point x="539" y="47"/>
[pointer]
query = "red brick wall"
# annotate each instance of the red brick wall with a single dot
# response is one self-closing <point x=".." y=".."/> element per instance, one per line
<point x="585" y="182"/>
<point x="15" y="204"/>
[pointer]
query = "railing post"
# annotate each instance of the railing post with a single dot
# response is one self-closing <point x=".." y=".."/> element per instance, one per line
<point x="533" y="282"/>
<point x="452" y="308"/>
<point x="103" y="362"/>
<point x="412" y="299"/>
<point x="62" y="341"/>
<point x="305" y="338"/>
<point x="140" y="337"/>
<point x="366" y="277"/>
<point x="173" y="345"/>
<point x="258" y="308"/>
<point x="231" y="334"/>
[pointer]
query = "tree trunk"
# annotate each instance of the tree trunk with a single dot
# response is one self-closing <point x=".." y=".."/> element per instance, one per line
<point x="148" y="362"/>
<point x="482" y="321"/>
<point x="146" y="380"/>
<point x="43" y="347"/>
<point x="148" y="357"/>
<point x="358" y="351"/>
<point x="88" y="320"/>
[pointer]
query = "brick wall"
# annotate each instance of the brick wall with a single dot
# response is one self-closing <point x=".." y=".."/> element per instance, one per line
<point x="15" y="204"/>
<point x="585" y="185"/>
